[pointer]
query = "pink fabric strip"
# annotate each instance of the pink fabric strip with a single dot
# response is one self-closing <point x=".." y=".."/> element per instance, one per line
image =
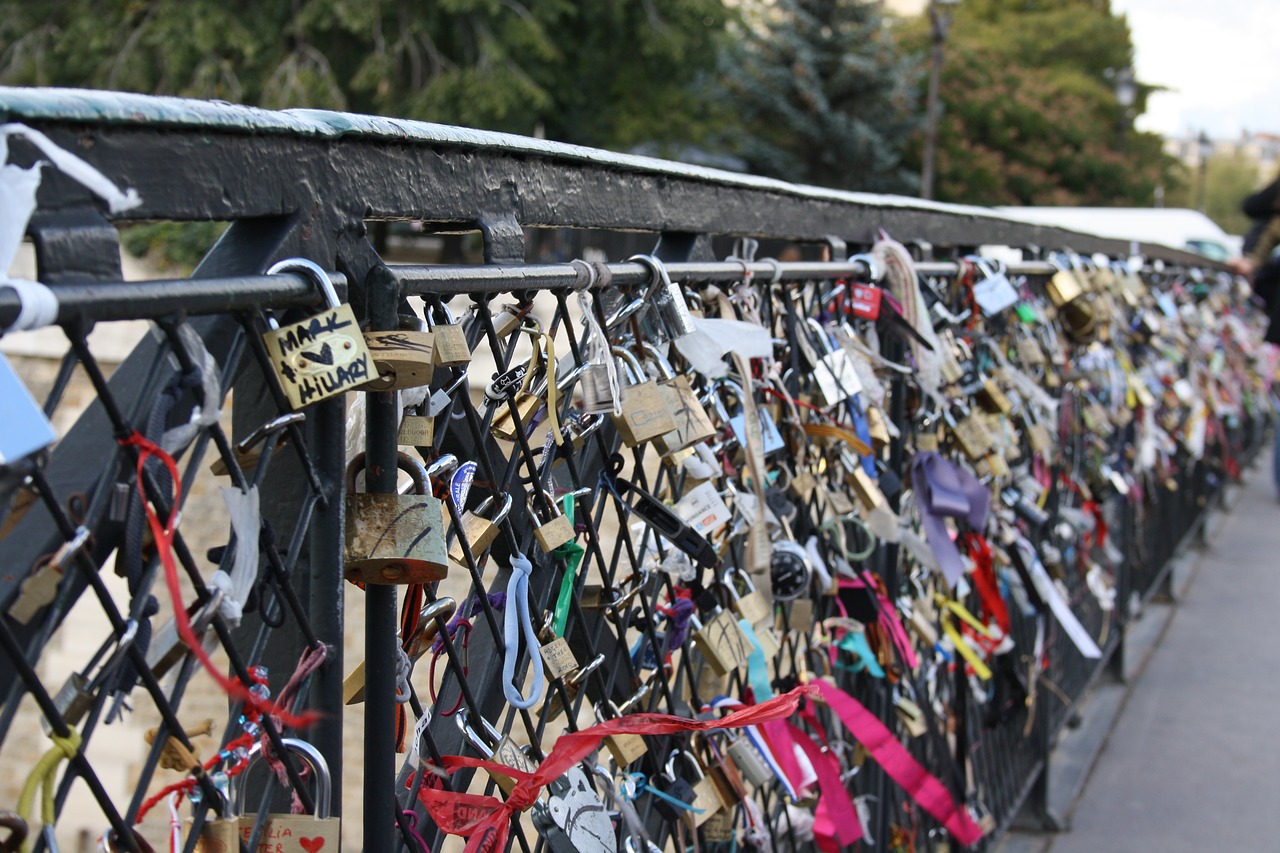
<point x="920" y="785"/>
<point x="835" y="820"/>
<point x="779" y="738"/>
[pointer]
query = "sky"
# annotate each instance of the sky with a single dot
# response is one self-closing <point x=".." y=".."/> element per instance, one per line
<point x="1220" y="58"/>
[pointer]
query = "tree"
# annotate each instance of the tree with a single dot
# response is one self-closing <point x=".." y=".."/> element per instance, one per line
<point x="1228" y="178"/>
<point x="1030" y="116"/>
<point x="624" y="76"/>
<point x="821" y="94"/>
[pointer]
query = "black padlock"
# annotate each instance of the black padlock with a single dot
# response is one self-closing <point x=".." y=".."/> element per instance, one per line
<point x="676" y="787"/>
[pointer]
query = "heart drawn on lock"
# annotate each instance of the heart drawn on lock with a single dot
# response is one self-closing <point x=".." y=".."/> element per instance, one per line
<point x="312" y="845"/>
<point x="325" y="356"/>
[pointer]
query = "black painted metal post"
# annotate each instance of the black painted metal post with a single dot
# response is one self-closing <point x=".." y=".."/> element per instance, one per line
<point x="382" y="295"/>
<point x="1124" y="587"/>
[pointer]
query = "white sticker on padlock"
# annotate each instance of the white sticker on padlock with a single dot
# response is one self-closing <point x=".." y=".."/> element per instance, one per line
<point x="26" y="428"/>
<point x="994" y="294"/>
<point x="837" y="377"/>
<point x="704" y="510"/>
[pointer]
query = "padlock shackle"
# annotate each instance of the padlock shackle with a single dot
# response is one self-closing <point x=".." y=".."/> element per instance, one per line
<point x="406" y="463"/>
<point x="665" y="370"/>
<point x="313" y="756"/>
<point x="463" y="720"/>
<point x="314" y="271"/>
<point x="634" y="369"/>
<point x="690" y="758"/>
<point x="503" y="511"/>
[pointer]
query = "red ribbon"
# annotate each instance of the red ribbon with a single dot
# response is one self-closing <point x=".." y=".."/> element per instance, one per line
<point x="899" y="764"/>
<point x="486" y="821"/>
<point x="984" y="580"/>
<point x="163" y="533"/>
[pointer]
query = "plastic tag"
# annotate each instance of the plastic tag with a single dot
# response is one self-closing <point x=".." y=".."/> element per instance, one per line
<point x="26" y="428"/>
<point x="704" y="510"/>
<point x="1026" y="313"/>
<point x="770" y="437"/>
<point x="994" y="294"/>
<point x="460" y="484"/>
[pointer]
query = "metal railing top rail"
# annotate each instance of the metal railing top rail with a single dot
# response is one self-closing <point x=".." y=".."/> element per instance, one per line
<point x="498" y="181"/>
<point x="107" y="301"/>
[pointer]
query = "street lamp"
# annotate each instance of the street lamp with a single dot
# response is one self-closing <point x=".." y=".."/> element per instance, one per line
<point x="1205" y="150"/>
<point x="940" y="20"/>
<point x="1126" y="93"/>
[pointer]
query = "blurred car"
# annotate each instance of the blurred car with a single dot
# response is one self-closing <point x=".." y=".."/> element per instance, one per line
<point x="1180" y="228"/>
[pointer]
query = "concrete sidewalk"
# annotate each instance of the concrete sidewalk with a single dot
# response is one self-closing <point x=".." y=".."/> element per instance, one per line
<point x="1192" y="762"/>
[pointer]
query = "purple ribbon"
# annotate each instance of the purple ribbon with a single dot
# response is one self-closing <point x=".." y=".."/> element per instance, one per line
<point x="946" y="490"/>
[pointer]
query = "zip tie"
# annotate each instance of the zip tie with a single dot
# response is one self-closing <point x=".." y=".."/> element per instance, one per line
<point x="516" y="619"/>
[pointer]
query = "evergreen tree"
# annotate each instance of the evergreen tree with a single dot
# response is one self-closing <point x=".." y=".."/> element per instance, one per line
<point x="1029" y="112"/>
<point x="822" y="94"/>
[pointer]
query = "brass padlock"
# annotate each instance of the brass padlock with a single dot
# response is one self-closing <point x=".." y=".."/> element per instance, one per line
<point x="290" y="833"/>
<point x="498" y="747"/>
<point x="451" y="348"/>
<point x="690" y="416"/>
<point x="877" y="428"/>
<point x="322" y="356"/>
<point x="219" y="834"/>
<point x="866" y="490"/>
<point x="992" y="398"/>
<point x="751" y="603"/>
<point x="550" y="527"/>
<point x="416" y="431"/>
<point x="1064" y="287"/>
<point x="533" y="380"/>
<point x="972" y="435"/>
<point x="404" y="358"/>
<point x="394" y="538"/>
<point x="722" y="642"/>
<point x="478" y="530"/>
<point x="645" y="414"/>
<point x="706" y="800"/>
<point x="626" y="749"/>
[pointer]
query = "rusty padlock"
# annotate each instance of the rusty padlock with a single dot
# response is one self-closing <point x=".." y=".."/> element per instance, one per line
<point x="394" y="538"/>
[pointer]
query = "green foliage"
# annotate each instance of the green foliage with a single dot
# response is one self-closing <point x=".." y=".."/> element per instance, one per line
<point x="608" y="73"/>
<point x="822" y="94"/>
<point x="1029" y="116"/>
<point x="1228" y="178"/>
<point x="178" y="245"/>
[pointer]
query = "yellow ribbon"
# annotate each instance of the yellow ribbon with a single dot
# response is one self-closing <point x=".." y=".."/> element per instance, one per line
<point x="45" y="776"/>
<point x="968" y="652"/>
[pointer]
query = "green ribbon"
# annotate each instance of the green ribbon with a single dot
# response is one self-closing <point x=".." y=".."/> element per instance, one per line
<point x="571" y="552"/>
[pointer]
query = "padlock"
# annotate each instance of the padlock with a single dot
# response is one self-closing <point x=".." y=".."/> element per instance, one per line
<point x="673" y="311"/>
<point x="1064" y="287"/>
<point x="770" y="439"/>
<point x="866" y="490"/>
<point x="722" y="642"/>
<point x="478" y="530"/>
<point x="290" y="833"/>
<point x="551" y="527"/>
<point x="404" y="358"/>
<point x="706" y="800"/>
<point x="394" y="538"/>
<point x="574" y="819"/>
<point x="877" y="428"/>
<point x="568" y="690"/>
<point x="790" y="570"/>
<point x="167" y="648"/>
<point x="645" y="414"/>
<point x="749" y="762"/>
<point x="494" y="745"/>
<point x="971" y="434"/>
<point x="77" y="694"/>
<point x="416" y="431"/>
<point x="690" y="416"/>
<point x="626" y="749"/>
<point x="451" y="348"/>
<point x="833" y="372"/>
<point x="993" y="399"/>
<point x="750" y="603"/>
<point x="514" y="387"/>
<point x="322" y="356"/>
<point x="221" y="834"/>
